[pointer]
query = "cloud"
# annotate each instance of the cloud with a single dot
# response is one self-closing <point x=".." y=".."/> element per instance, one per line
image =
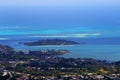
<point x="74" y="35"/>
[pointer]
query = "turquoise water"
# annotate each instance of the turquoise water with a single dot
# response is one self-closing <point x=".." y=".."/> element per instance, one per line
<point x="73" y="20"/>
<point x="103" y="52"/>
<point x="103" y="49"/>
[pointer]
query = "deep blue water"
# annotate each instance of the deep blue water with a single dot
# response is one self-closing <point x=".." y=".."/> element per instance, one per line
<point x="75" y="18"/>
<point x="98" y="48"/>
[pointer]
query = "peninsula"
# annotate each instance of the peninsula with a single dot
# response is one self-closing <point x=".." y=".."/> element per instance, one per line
<point x="43" y="64"/>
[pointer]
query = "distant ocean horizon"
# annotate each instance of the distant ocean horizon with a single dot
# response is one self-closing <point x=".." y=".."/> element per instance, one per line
<point x="97" y="48"/>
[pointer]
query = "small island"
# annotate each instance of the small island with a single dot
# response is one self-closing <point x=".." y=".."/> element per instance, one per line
<point x="51" y="42"/>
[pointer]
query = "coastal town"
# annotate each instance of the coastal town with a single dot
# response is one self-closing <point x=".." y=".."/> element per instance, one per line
<point x="47" y="65"/>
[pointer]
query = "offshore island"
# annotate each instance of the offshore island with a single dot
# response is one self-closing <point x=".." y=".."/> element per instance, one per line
<point x="51" y="42"/>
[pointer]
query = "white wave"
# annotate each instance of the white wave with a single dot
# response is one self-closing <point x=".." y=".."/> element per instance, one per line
<point x="4" y="38"/>
<point x="55" y="46"/>
<point x="50" y="36"/>
<point x="9" y="27"/>
<point x="74" y="35"/>
<point x="85" y="34"/>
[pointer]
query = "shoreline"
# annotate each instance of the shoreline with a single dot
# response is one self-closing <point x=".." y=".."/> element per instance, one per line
<point x="53" y="46"/>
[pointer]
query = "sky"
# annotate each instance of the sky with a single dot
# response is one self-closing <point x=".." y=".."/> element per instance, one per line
<point x="60" y="18"/>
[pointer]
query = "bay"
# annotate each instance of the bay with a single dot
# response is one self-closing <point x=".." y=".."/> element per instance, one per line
<point x="97" y="48"/>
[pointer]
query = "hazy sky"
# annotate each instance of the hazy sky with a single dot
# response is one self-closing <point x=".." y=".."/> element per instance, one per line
<point x="52" y="16"/>
<point x="57" y="2"/>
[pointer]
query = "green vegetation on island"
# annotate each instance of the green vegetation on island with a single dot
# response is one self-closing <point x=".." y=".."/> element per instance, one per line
<point x="51" y="42"/>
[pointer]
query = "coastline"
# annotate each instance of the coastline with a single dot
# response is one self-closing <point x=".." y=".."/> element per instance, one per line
<point x="54" y="46"/>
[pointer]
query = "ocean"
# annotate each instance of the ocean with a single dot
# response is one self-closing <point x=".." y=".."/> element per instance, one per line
<point x="97" y="22"/>
<point x="97" y="48"/>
